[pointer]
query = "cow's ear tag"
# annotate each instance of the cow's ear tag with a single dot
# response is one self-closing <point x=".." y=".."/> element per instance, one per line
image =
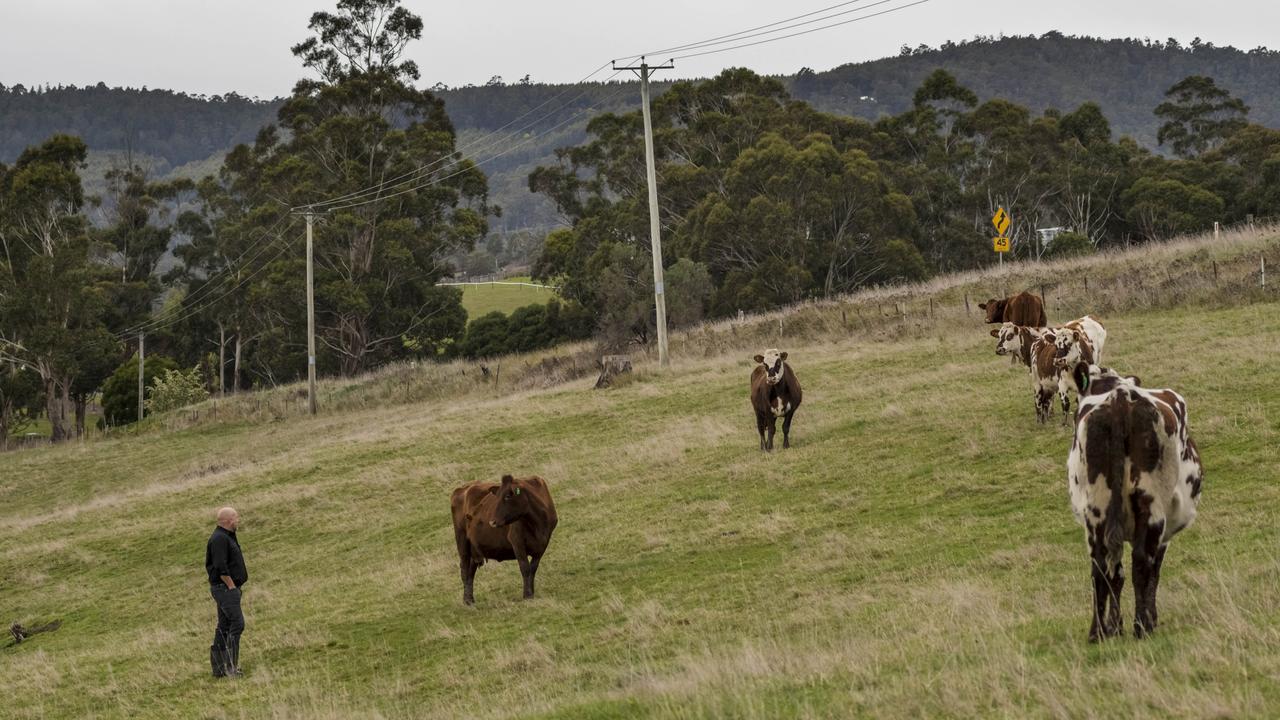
<point x="1086" y="383"/>
<point x="517" y="491"/>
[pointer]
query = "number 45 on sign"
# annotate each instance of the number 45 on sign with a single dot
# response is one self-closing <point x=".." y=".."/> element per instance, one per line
<point x="1000" y="244"/>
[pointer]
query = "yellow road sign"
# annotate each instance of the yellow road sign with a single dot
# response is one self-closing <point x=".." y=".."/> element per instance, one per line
<point x="1000" y="244"/>
<point x="1001" y="221"/>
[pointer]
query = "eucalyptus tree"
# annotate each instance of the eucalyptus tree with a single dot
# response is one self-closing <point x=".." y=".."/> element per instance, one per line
<point x="52" y="301"/>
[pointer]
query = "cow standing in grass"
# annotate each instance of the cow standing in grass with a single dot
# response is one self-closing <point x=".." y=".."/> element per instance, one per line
<point x="1078" y="342"/>
<point x="775" y="393"/>
<point x="1016" y="341"/>
<point x="1134" y="475"/>
<point x="1046" y="378"/>
<point x="1021" y="309"/>
<point x="510" y="520"/>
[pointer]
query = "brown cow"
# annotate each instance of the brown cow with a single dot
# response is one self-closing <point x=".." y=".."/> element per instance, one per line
<point x="1021" y="309"/>
<point x="499" y="522"/>
<point x="775" y="393"/>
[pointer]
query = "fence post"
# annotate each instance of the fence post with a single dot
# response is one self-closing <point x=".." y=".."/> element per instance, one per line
<point x="1215" y="229"/>
<point x="1215" y="272"/>
<point x="1262" y="259"/>
<point x="966" y="303"/>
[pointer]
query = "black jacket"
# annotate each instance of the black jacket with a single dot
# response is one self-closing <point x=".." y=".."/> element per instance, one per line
<point x="222" y="557"/>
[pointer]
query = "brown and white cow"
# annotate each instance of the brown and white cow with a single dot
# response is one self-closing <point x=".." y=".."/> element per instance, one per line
<point x="1016" y="340"/>
<point x="513" y="519"/>
<point x="1021" y="309"/>
<point x="775" y="393"/>
<point x="1080" y="341"/>
<point x="1134" y="475"/>
<point x="1046" y="377"/>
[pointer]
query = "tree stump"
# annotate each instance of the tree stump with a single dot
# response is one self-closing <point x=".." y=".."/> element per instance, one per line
<point x="612" y="366"/>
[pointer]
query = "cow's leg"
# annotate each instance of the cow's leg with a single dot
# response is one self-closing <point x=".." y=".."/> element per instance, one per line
<point x="533" y="571"/>
<point x="786" y="430"/>
<point x="1156" y="563"/>
<point x="1044" y="404"/>
<point x="1145" y="548"/>
<point x="760" y="426"/>
<point x="1108" y="581"/>
<point x="522" y="557"/>
<point x="772" y="429"/>
<point x="469" y="581"/>
<point x="1065" y="397"/>
<point x="465" y="566"/>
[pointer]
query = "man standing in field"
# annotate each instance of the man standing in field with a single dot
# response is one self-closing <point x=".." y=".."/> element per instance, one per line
<point x="225" y="566"/>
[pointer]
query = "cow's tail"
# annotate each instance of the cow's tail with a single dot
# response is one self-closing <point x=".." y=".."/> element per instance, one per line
<point x="1118" y="452"/>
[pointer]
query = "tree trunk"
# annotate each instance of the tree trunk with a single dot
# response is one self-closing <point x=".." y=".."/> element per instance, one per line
<point x="612" y="366"/>
<point x="81" y="402"/>
<point x="57" y="400"/>
<point x="235" y="375"/>
<point x="6" y="411"/>
<point x="222" y="360"/>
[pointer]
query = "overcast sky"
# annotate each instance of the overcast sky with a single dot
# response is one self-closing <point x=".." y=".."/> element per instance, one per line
<point x="215" y="46"/>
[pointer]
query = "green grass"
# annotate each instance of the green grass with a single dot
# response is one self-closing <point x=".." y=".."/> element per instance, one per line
<point x="480" y="300"/>
<point x="913" y="555"/>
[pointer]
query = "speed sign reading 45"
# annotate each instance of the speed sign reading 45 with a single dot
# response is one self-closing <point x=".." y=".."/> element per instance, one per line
<point x="1000" y="244"/>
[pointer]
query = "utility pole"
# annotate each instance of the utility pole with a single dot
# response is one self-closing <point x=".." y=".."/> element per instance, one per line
<point x="311" y="320"/>
<point x="141" y="363"/>
<point x="655" y="231"/>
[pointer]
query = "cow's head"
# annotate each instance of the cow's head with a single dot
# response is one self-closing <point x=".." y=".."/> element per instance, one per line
<point x="773" y="362"/>
<point x="995" y="309"/>
<point x="1067" y="341"/>
<point x="513" y="503"/>
<point x="1008" y="339"/>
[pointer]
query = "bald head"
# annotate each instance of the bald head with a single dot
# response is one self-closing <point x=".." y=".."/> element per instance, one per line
<point x="228" y="518"/>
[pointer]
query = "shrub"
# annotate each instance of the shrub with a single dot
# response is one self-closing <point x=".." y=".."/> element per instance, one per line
<point x="1068" y="244"/>
<point x="120" y="391"/>
<point x="175" y="389"/>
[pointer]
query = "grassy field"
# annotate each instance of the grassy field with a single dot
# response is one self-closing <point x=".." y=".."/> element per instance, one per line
<point x="479" y="300"/>
<point x="912" y="555"/>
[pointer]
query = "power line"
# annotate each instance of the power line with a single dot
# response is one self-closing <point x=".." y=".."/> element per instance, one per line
<point x="162" y="321"/>
<point x="738" y="35"/>
<point x="381" y="185"/>
<point x="806" y="32"/>
<point x="209" y="281"/>
<point x="478" y="163"/>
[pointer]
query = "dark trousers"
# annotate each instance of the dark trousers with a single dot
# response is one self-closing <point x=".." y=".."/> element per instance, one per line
<point x="224" y="653"/>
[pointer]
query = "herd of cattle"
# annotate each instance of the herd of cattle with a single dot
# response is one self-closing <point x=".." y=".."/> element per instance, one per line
<point x="1133" y="472"/>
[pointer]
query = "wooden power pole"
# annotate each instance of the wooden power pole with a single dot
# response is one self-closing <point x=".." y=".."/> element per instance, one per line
<point x="311" y="320"/>
<point x="655" y="231"/>
<point x="141" y="382"/>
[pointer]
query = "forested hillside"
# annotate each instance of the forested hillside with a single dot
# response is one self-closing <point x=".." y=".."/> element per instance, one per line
<point x="1126" y="78"/>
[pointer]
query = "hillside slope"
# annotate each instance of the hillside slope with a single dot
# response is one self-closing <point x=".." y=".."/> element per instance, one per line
<point x="1127" y="78"/>
<point x="913" y="554"/>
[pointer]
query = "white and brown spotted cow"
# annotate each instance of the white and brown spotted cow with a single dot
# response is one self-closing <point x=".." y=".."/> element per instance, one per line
<point x="1016" y="340"/>
<point x="1046" y="378"/>
<point x="1134" y="475"/>
<point x="1079" y="341"/>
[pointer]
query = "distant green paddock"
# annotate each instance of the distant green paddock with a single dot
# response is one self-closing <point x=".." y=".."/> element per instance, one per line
<point x="482" y="299"/>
